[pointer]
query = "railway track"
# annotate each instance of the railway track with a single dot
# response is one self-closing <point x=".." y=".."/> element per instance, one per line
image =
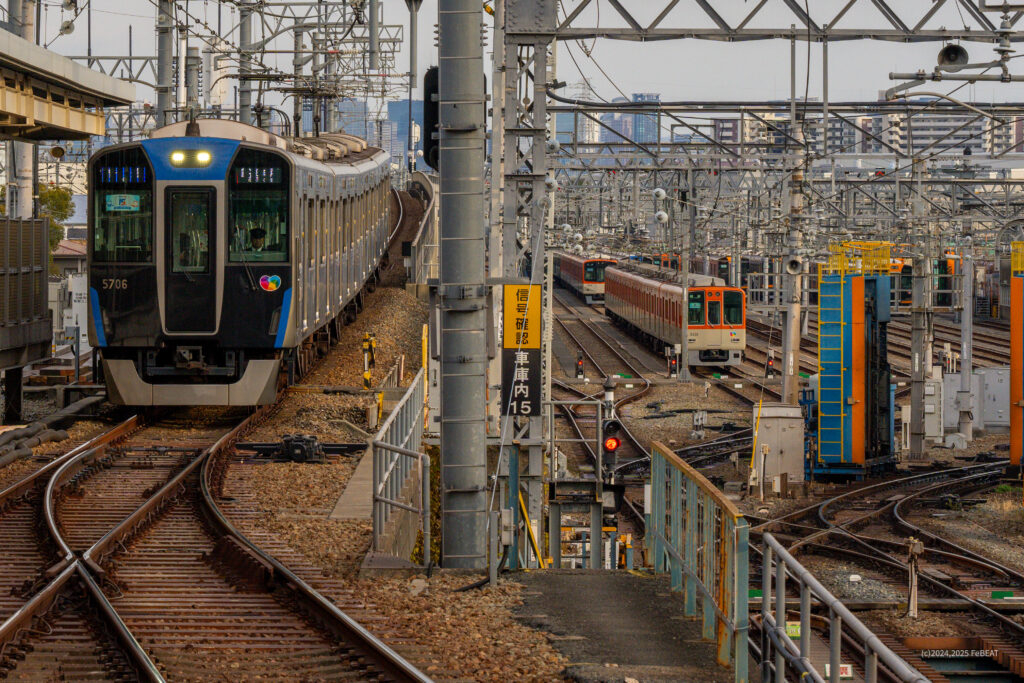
<point x="869" y="525"/>
<point x="123" y="567"/>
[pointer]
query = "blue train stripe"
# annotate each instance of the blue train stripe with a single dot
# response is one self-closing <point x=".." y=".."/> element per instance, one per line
<point x="97" y="316"/>
<point x="282" y="323"/>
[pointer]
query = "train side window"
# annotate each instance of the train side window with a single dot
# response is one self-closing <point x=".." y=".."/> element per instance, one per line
<point x="122" y="208"/>
<point x="714" y="313"/>
<point x="258" y="207"/>
<point x="695" y="316"/>
<point x="733" y="308"/>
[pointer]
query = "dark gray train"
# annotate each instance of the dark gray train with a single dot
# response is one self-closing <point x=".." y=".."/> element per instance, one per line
<point x="219" y="261"/>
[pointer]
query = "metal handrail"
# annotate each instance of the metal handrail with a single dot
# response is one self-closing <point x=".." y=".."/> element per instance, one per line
<point x="700" y="538"/>
<point x="423" y="247"/>
<point x="395" y="451"/>
<point x="774" y="626"/>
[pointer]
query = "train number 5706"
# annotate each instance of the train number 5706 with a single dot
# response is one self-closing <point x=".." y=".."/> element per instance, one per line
<point x="115" y="283"/>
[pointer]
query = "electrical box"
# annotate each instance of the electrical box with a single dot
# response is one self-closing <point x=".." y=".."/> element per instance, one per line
<point x="779" y="443"/>
<point x="990" y="403"/>
<point x="933" y="419"/>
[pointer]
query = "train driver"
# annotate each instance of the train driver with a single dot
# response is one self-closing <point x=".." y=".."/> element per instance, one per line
<point x="258" y="240"/>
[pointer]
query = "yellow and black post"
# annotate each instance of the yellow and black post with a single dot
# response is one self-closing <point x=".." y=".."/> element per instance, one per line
<point x="366" y="361"/>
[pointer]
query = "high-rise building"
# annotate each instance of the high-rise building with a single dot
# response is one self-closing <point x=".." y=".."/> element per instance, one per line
<point x="727" y="131"/>
<point x="645" y="126"/>
<point x="622" y="123"/>
<point x="399" y="113"/>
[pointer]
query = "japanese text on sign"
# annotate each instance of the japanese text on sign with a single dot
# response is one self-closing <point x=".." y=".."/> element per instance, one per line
<point x="521" y="319"/>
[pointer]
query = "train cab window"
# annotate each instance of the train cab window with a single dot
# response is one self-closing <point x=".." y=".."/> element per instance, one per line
<point x="190" y="213"/>
<point x="733" y="305"/>
<point x="122" y="208"/>
<point x="714" y="313"/>
<point x="593" y="271"/>
<point x="258" y="207"/>
<point x="695" y="316"/>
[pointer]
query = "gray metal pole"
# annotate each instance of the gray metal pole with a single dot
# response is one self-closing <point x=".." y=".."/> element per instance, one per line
<point x="192" y="64"/>
<point x="244" y="62"/>
<point x="920" y="314"/>
<point x="297" y="70"/>
<point x="793" y="266"/>
<point x="24" y="152"/>
<point x="966" y="422"/>
<point x="164" y="53"/>
<point x="414" y="8"/>
<point x="462" y="292"/>
<point x="684" y="276"/>
<point x="374" y="36"/>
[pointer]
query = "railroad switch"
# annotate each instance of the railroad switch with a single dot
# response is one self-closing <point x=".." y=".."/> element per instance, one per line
<point x="301" y="448"/>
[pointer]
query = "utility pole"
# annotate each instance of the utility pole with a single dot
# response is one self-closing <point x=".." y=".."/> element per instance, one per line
<point x="792" y="263"/>
<point x="164" y="54"/>
<point x="244" y="62"/>
<point x="374" y="37"/>
<point x="965" y="396"/>
<point x="920" y="318"/>
<point x="684" y="276"/>
<point x="462" y="291"/>
<point x="297" y="62"/>
<point x="414" y="8"/>
<point x="794" y="269"/>
<point x="24" y="152"/>
<point x="192" y="64"/>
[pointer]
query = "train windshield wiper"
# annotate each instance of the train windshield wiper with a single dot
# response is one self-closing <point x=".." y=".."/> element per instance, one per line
<point x="248" y="271"/>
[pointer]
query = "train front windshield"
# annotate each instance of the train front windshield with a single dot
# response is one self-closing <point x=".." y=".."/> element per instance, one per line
<point x="733" y="308"/>
<point x="593" y="271"/>
<point x="122" y="208"/>
<point x="258" y="207"/>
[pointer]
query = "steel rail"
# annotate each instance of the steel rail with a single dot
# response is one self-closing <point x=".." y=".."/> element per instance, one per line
<point x="70" y="565"/>
<point x="383" y="656"/>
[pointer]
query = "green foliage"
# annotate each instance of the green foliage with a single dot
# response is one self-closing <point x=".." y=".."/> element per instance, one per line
<point x="1005" y="488"/>
<point x="54" y="202"/>
<point x="435" y="510"/>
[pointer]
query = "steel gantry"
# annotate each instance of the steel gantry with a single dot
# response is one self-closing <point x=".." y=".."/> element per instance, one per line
<point x="786" y="186"/>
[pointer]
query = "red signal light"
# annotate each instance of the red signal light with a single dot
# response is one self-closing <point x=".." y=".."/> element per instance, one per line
<point x="612" y="443"/>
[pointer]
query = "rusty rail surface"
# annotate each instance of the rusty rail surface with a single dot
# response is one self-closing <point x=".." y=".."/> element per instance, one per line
<point x="386" y="659"/>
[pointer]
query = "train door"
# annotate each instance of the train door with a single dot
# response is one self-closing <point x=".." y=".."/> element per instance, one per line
<point x="322" y="229"/>
<point x="189" y="278"/>
<point x="714" y="332"/>
<point x="309" y="228"/>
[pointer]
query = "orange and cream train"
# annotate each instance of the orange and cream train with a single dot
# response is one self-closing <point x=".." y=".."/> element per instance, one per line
<point x="584" y="276"/>
<point x="650" y="308"/>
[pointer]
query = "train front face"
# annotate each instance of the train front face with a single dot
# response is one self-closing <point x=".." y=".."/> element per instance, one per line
<point x="189" y="271"/>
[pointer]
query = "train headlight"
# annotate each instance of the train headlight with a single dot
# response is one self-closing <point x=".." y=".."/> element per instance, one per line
<point x="190" y="158"/>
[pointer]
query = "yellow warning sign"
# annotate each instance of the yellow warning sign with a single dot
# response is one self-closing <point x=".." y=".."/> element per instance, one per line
<point x="521" y="317"/>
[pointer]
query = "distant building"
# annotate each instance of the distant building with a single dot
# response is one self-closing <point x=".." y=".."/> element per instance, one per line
<point x="623" y="123"/>
<point x="727" y="131"/>
<point x="399" y="113"/>
<point x="69" y="257"/>
<point x="645" y="126"/>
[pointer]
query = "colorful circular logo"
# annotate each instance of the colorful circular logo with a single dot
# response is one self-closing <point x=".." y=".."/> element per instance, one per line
<point x="270" y="282"/>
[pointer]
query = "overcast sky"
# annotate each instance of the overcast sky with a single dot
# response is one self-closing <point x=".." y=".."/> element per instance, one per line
<point x="679" y="70"/>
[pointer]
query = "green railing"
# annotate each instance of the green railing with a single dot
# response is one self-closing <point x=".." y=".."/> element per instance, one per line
<point x="700" y="539"/>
